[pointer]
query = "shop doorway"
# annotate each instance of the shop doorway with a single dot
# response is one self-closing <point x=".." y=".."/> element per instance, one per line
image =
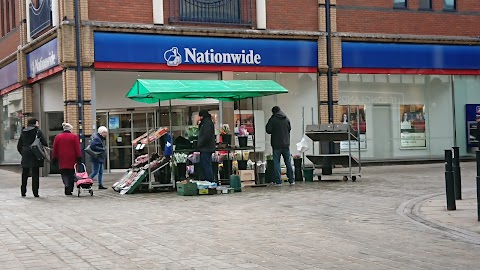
<point x="382" y="125"/>
<point x="54" y="127"/>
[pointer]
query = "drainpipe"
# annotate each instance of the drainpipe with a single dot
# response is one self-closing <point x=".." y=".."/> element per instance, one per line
<point x="79" y="77"/>
<point x="329" y="61"/>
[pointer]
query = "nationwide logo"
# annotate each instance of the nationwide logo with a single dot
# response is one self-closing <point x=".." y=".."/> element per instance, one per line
<point x="191" y="55"/>
<point x="41" y="64"/>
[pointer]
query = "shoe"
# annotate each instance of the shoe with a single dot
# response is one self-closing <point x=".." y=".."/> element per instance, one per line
<point x="292" y="184"/>
<point x="36" y="195"/>
<point x="24" y="195"/>
<point x="101" y="187"/>
<point x="277" y="185"/>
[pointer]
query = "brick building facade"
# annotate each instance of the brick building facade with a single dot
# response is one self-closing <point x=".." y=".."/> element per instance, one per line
<point x="352" y="22"/>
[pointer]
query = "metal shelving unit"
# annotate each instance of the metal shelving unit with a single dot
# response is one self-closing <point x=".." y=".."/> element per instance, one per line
<point x="336" y="133"/>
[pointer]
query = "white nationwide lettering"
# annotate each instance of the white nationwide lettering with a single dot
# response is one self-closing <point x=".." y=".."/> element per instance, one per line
<point x="212" y="57"/>
<point x="42" y="64"/>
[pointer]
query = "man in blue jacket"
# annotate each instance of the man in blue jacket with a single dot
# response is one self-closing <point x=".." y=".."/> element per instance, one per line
<point x="279" y="127"/>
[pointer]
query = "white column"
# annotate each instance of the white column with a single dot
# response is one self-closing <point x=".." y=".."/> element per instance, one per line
<point x="158" y="12"/>
<point x="261" y="15"/>
<point x="55" y="13"/>
<point x="27" y="18"/>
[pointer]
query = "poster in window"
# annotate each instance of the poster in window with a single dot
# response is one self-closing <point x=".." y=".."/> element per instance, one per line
<point x="412" y="126"/>
<point x="362" y="125"/>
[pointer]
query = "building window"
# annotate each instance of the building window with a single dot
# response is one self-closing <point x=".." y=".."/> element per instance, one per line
<point x="211" y="11"/>
<point x="426" y="4"/>
<point x="449" y="4"/>
<point x="399" y="3"/>
<point x="7" y="16"/>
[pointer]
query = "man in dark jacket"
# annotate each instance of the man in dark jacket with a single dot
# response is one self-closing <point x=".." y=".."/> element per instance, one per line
<point x="29" y="160"/>
<point x="279" y="127"/>
<point x="206" y="144"/>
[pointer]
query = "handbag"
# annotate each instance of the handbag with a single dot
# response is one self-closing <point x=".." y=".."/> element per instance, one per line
<point x="37" y="148"/>
<point x="47" y="153"/>
<point x="92" y="153"/>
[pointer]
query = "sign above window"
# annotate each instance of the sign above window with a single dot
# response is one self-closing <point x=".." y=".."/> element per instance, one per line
<point x="40" y="16"/>
<point x="42" y="59"/>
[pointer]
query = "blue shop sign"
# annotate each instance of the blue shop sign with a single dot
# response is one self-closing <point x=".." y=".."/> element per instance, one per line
<point x="9" y="75"/>
<point x="410" y="56"/>
<point x="175" y="51"/>
<point x="40" y="17"/>
<point x="42" y="59"/>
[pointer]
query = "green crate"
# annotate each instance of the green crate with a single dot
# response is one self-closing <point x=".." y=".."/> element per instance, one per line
<point x="188" y="189"/>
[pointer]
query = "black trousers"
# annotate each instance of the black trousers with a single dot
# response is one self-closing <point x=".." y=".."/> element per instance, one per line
<point x="35" y="180"/>
<point x="68" y="178"/>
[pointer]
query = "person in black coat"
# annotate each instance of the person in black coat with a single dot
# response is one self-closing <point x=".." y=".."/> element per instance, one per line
<point x="30" y="163"/>
<point x="279" y="127"/>
<point x="206" y="144"/>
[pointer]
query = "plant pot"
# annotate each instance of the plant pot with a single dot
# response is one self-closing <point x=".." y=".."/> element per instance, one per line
<point x="261" y="178"/>
<point x="226" y="138"/>
<point x="227" y="169"/>
<point x="215" y="170"/>
<point x="243" y="141"/>
<point x="194" y="144"/>
<point x="181" y="171"/>
<point x="242" y="164"/>
<point x="198" y="171"/>
<point x="308" y="174"/>
<point x="270" y="172"/>
<point x="297" y="162"/>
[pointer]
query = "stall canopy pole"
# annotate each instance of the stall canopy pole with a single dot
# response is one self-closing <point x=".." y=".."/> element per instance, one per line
<point x="254" y="144"/>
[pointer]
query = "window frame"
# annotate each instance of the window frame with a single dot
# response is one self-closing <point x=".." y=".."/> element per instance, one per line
<point x="2" y="19"/>
<point x="185" y="17"/>
<point x="405" y="6"/>
<point x="453" y="9"/>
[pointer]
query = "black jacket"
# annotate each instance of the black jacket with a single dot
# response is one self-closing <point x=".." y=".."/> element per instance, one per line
<point x="206" y="135"/>
<point x="23" y="146"/>
<point x="279" y="127"/>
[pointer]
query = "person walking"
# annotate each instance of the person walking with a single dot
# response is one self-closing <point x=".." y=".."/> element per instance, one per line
<point x="278" y="126"/>
<point x="30" y="163"/>
<point x="206" y="144"/>
<point x="66" y="151"/>
<point x="98" y="145"/>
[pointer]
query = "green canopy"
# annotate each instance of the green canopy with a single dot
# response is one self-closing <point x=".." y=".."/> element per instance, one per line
<point x="152" y="91"/>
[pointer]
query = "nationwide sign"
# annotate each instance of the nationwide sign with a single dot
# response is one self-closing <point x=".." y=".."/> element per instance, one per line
<point x="197" y="53"/>
<point x="42" y="59"/>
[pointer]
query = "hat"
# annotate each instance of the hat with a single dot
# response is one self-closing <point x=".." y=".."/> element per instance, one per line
<point x="67" y="127"/>
<point x="203" y="113"/>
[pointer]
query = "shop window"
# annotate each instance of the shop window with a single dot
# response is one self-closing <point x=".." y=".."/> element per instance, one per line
<point x="211" y="11"/>
<point x="450" y="5"/>
<point x="399" y="3"/>
<point x="426" y="4"/>
<point x="10" y="127"/>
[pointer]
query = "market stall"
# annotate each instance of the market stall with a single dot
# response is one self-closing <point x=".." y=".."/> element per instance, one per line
<point x="155" y="91"/>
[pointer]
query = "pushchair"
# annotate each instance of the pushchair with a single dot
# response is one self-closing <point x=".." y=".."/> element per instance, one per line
<point x="83" y="181"/>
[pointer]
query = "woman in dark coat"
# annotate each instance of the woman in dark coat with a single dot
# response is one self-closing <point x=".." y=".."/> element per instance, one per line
<point x="30" y="163"/>
<point x="98" y="145"/>
<point x="66" y="150"/>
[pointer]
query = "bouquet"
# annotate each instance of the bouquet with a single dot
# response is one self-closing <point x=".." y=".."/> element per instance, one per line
<point x="297" y="156"/>
<point x="192" y="131"/>
<point x="225" y="129"/>
<point x="242" y="131"/>
<point x="180" y="157"/>
<point x="194" y="158"/>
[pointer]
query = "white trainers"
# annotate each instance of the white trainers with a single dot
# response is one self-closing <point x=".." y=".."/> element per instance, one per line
<point x="292" y="184"/>
<point x="277" y="185"/>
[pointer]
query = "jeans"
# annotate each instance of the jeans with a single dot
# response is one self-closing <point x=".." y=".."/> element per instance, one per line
<point x="35" y="180"/>
<point x="285" y="152"/>
<point x="206" y="164"/>
<point x="97" y="169"/>
<point x="68" y="178"/>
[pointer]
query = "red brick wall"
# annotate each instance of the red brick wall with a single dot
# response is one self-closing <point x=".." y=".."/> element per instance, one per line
<point x="281" y="14"/>
<point x="139" y="11"/>
<point x="378" y="16"/>
<point x="292" y="15"/>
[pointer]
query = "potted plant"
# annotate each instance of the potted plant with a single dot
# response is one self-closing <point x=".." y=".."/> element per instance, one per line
<point x="180" y="160"/>
<point x="242" y="136"/>
<point x="227" y="165"/>
<point x="225" y="134"/>
<point x="192" y="133"/>
<point x="297" y="162"/>
<point x="241" y="161"/>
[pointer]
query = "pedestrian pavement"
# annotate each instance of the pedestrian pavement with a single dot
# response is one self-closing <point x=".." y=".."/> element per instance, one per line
<point x="393" y="217"/>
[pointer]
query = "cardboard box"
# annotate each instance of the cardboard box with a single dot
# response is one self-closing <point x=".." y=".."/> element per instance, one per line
<point x="247" y="175"/>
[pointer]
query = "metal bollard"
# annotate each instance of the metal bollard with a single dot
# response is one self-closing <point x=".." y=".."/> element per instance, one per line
<point x="449" y="182"/>
<point x="456" y="173"/>
<point x="478" y="185"/>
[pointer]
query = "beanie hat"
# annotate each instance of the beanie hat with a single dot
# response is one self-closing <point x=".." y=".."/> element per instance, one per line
<point x="203" y="113"/>
<point x="67" y="127"/>
<point x="275" y="109"/>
